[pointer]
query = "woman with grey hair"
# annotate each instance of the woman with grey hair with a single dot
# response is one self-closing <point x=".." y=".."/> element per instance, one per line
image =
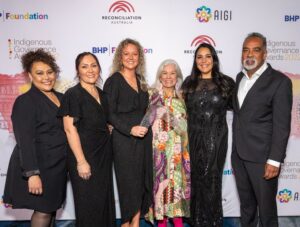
<point x="128" y="101"/>
<point x="171" y="161"/>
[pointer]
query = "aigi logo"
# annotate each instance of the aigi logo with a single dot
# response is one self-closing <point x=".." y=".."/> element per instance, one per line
<point x="121" y="6"/>
<point x="121" y="12"/>
<point x="284" y="196"/>
<point x="205" y="14"/>
<point x="23" y="16"/>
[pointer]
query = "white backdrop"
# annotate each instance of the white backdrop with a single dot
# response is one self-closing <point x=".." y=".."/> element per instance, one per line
<point x="166" y="29"/>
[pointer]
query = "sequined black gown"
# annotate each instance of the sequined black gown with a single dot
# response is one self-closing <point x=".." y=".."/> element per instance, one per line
<point x="208" y="134"/>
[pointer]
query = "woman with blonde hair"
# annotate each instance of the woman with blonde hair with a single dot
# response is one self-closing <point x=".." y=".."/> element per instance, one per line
<point x="171" y="160"/>
<point x="126" y="90"/>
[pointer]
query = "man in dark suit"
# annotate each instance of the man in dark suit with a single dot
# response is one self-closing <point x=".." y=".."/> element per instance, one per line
<point x="262" y="106"/>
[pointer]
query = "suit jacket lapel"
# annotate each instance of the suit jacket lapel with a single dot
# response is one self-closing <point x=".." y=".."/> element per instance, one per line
<point x="236" y="104"/>
<point x="37" y="92"/>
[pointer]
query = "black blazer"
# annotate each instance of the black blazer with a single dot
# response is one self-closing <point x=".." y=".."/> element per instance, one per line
<point x="41" y="141"/>
<point x="261" y="126"/>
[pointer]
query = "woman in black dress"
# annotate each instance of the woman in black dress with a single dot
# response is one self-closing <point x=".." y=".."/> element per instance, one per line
<point x="207" y="94"/>
<point x="84" y="111"/>
<point x="36" y="176"/>
<point x="128" y="100"/>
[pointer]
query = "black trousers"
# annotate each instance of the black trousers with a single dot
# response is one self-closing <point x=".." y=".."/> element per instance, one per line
<point x="257" y="195"/>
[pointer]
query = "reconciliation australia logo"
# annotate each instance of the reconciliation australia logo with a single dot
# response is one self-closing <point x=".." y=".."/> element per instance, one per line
<point x="26" y="16"/>
<point x="198" y="40"/>
<point x="121" y="12"/>
<point x="205" y="14"/>
<point x="17" y="47"/>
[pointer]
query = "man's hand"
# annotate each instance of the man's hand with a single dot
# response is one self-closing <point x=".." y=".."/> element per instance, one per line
<point x="271" y="171"/>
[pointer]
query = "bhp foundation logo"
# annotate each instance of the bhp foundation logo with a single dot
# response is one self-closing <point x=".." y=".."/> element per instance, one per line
<point x="202" y="39"/>
<point x="121" y="6"/>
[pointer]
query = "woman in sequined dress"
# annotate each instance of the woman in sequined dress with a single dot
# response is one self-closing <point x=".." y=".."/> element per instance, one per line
<point x="207" y="93"/>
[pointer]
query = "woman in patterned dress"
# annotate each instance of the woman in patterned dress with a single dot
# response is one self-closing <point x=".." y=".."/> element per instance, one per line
<point x="171" y="161"/>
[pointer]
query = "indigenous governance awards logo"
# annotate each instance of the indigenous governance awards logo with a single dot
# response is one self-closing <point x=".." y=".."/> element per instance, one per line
<point x="198" y="40"/>
<point x="283" y="50"/>
<point x="121" y="12"/>
<point x="17" y="47"/>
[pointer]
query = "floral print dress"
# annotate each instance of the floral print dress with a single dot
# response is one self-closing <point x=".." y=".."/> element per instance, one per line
<point x="171" y="160"/>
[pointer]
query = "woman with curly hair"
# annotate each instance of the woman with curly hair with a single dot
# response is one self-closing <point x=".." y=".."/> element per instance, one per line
<point x="36" y="176"/>
<point x="207" y="93"/>
<point x="127" y="96"/>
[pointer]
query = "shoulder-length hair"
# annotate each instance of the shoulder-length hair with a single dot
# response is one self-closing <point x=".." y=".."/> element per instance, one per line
<point x="141" y="68"/>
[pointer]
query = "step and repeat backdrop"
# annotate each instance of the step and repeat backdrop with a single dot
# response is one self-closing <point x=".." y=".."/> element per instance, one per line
<point x="166" y="29"/>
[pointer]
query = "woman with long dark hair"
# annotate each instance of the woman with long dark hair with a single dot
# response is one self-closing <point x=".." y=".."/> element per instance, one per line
<point x="207" y="93"/>
<point x="84" y="110"/>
